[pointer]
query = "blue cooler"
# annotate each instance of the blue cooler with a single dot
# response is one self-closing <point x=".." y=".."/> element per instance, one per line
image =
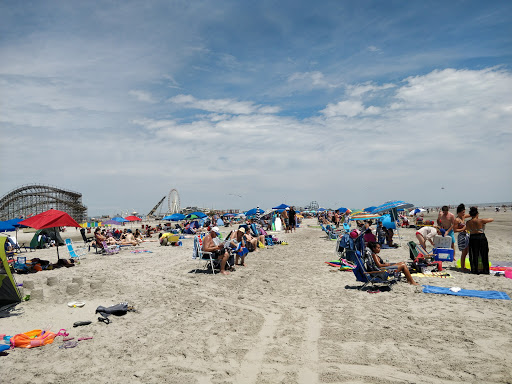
<point x="443" y="254"/>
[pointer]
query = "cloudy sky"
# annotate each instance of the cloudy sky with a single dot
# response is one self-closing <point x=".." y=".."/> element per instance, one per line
<point x="244" y="103"/>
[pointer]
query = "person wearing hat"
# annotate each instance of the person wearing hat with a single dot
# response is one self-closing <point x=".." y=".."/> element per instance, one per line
<point x="427" y="233"/>
<point x="212" y="244"/>
<point x="238" y="243"/>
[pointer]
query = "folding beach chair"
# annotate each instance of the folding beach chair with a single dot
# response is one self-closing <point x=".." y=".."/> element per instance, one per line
<point x="75" y="254"/>
<point x="109" y="249"/>
<point x="372" y="277"/>
<point x="200" y="255"/>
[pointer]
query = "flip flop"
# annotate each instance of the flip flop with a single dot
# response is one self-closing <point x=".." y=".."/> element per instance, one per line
<point x="76" y="304"/>
<point x="80" y="323"/>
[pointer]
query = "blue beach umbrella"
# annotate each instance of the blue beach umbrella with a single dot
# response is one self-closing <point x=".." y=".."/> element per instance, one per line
<point x="174" y="217"/>
<point x="282" y="206"/>
<point x="252" y="212"/>
<point x="392" y="205"/>
<point x="120" y="219"/>
<point x="369" y="209"/>
<point x="343" y="209"/>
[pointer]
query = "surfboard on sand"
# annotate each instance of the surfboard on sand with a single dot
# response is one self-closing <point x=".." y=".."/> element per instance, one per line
<point x="279" y="225"/>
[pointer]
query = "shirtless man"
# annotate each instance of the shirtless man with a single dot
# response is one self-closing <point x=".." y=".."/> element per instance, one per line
<point x="210" y="244"/>
<point x="446" y="220"/>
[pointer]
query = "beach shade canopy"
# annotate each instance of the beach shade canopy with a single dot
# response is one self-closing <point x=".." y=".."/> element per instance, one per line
<point x="119" y="219"/>
<point x="195" y="215"/>
<point x="52" y="218"/>
<point x="174" y="217"/>
<point x="282" y="206"/>
<point x="133" y="218"/>
<point x="394" y="204"/>
<point x="5" y="226"/>
<point x="254" y="211"/>
<point x="9" y="294"/>
<point x="369" y="209"/>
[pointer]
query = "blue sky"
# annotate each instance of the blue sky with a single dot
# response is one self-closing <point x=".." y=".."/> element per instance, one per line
<point x="345" y="103"/>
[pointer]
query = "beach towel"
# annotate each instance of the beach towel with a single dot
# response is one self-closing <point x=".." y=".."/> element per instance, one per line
<point x="443" y="275"/>
<point x="142" y="251"/>
<point x="467" y="292"/>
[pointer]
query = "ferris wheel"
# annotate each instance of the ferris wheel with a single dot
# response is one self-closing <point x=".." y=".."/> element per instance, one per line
<point x="173" y="201"/>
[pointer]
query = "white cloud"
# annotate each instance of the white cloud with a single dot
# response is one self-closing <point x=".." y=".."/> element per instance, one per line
<point x="222" y="105"/>
<point x="311" y="80"/>
<point x="142" y="96"/>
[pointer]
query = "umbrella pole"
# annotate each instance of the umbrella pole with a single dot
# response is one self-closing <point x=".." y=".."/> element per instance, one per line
<point x="56" y="242"/>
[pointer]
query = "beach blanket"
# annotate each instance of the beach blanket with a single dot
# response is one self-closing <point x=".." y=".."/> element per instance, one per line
<point x="142" y="251"/>
<point x="498" y="295"/>
<point x="443" y="275"/>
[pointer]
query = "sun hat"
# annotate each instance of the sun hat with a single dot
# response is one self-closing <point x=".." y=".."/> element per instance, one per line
<point x="241" y="229"/>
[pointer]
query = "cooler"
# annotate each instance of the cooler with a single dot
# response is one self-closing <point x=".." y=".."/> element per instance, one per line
<point x="443" y="254"/>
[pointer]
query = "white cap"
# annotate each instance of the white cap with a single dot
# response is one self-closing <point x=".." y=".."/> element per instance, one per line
<point x="215" y="229"/>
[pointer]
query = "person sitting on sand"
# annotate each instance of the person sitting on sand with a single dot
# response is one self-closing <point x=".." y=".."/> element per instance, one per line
<point x="129" y="239"/>
<point x="138" y="236"/>
<point x="374" y="249"/>
<point x="238" y="243"/>
<point x="427" y="233"/>
<point x="216" y="248"/>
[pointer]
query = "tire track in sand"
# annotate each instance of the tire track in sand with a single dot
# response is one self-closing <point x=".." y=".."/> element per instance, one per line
<point x="253" y="360"/>
<point x="308" y="373"/>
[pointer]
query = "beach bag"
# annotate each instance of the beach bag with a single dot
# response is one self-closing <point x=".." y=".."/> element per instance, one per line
<point x="260" y="245"/>
<point x="35" y="338"/>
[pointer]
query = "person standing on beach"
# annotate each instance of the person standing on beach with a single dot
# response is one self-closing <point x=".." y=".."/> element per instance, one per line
<point x="291" y="219"/>
<point x="446" y="220"/>
<point x="285" y="218"/>
<point x="478" y="245"/>
<point x="462" y="237"/>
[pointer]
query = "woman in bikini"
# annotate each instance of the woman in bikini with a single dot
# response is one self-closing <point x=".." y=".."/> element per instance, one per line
<point x="478" y="245"/>
<point x="399" y="267"/>
<point x="462" y="237"/>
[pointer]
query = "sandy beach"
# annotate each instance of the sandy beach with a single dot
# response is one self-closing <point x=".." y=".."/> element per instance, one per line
<point x="287" y="317"/>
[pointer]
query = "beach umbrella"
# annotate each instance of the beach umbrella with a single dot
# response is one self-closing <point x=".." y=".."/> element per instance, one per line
<point x="254" y="211"/>
<point x="369" y="209"/>
<point x="416" y="211"/>
<point x="110" y="222"/>
<point x="321" y="209"/>
<point x="392" y="205"/>
<point x="365" y="216"/>
<point x="195" y="215"/>
<point x="133" y="218"/>
<point x="119" y="219"/>
<point x="5" y="226"/>
<point x="175" y="217"/>
<point x="52" y="218"/>
<point x="343" y="210"/>
<point x="282" y="206"/>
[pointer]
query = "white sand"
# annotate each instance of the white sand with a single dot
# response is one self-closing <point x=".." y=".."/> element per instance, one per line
<point x="285" y="318"/>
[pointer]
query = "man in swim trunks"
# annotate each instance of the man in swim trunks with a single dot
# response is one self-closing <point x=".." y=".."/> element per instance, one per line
<point x="216" y="248"/>
<point x="446" y="220"/>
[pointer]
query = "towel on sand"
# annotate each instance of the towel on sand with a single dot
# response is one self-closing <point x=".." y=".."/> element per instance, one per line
<point x="467" y="292"/>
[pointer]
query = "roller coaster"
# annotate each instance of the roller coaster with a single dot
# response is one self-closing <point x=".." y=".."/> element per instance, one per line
<point x="29" y="200"/>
